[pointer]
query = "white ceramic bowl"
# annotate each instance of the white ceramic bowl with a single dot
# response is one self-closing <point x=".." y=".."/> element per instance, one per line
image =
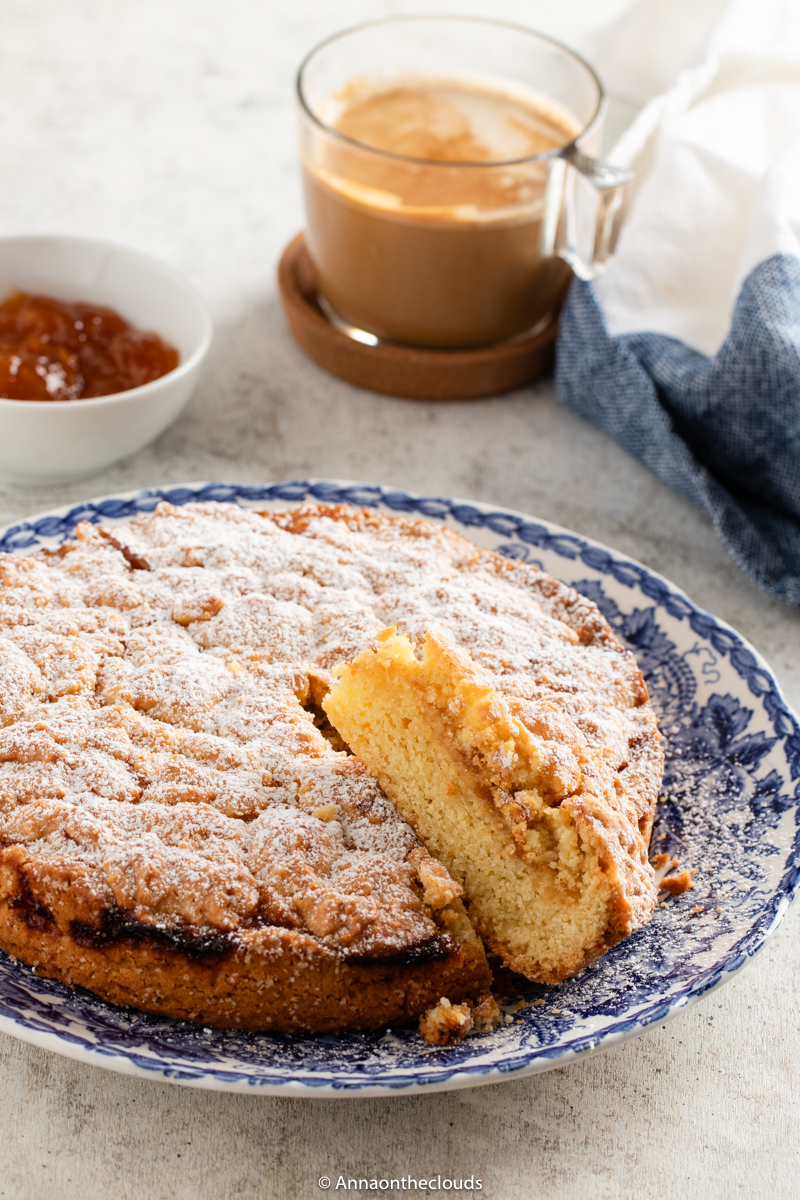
<point x="57" y="441"/>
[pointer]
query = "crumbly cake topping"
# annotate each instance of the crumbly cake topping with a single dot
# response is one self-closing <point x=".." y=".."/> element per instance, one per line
<point x="162" y="748"/>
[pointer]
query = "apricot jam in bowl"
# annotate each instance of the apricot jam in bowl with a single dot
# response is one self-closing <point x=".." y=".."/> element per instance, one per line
<point x="101" y="347"/>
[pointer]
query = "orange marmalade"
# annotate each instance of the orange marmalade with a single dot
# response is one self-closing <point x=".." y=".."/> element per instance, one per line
<point x="53" y="350"/>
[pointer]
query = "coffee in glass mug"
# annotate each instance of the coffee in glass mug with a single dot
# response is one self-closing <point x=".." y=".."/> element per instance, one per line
<point x="450" y="188"/>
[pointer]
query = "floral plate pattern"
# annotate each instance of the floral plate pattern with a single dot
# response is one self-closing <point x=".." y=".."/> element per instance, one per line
<point x="730" y="809"/>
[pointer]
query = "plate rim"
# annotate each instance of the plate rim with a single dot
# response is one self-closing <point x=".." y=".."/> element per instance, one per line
<point x="460" y="1077"/>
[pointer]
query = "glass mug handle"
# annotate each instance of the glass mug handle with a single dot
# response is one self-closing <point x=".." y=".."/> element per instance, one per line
<point x="590" y="216"/>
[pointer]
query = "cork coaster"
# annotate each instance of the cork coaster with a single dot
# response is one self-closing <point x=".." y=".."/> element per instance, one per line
<point x="418" y="374"/>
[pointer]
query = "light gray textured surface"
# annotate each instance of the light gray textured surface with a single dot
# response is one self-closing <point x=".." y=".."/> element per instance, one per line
<point x="168" y="125"/>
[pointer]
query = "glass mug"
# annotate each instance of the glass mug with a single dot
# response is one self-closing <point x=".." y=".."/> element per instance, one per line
<point x="453" y="253"/>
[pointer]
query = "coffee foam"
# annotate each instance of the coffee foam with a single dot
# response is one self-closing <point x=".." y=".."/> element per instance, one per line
<point x="453" y="120"/>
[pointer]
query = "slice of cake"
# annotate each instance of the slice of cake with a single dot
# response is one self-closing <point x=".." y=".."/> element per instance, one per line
<point x="547" y="833"/>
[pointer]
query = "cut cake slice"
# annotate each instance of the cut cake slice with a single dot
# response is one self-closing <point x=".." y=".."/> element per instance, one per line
<point x="538" y="827"/>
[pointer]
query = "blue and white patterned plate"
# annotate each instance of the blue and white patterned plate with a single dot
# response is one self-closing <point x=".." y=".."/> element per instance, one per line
<point x="730" y="810"/>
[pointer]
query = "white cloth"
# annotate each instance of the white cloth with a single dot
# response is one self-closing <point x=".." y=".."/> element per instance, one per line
<point x="717" y="159"/>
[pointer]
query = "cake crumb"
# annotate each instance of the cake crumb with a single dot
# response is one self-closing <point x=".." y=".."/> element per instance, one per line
<point x="676" y="885"/>
<point x="485" y="1014"/>
<point x="660" y="860"/>
<point x="446" y="1024"/>
<point x="438" y="888"/>
<point x="326" y="812"/>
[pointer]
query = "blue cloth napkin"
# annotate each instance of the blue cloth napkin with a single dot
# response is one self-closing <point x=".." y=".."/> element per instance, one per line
<point x="723" y="431"/>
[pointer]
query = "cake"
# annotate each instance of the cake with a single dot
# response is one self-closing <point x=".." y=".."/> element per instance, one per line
<point x="177" y="833"/>
<point x="547" y="835"/>
<point x="184" y="826"/>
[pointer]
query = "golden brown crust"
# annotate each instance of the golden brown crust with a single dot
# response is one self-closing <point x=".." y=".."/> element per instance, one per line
<point x="266" y="979"/>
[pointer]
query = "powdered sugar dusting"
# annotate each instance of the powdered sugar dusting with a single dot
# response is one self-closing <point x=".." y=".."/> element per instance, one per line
<point x="159" y="745"/>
